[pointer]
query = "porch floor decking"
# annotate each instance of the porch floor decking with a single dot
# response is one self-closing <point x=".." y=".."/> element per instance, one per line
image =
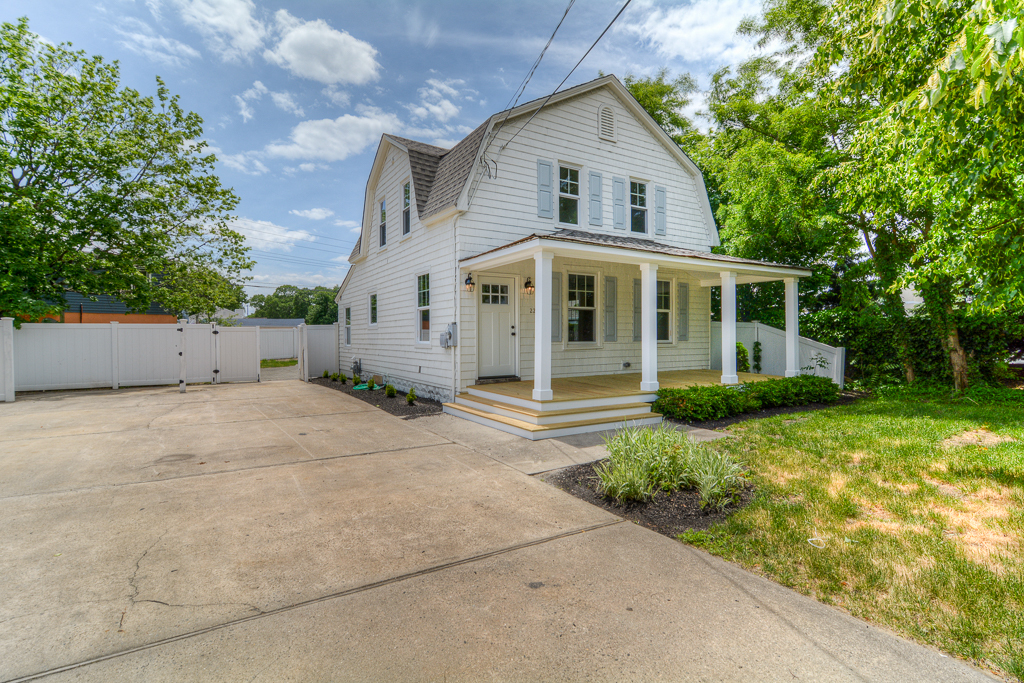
<point x="605" y="386"/>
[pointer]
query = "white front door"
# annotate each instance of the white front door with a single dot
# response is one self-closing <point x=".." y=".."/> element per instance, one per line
<point x="497" y="327"/>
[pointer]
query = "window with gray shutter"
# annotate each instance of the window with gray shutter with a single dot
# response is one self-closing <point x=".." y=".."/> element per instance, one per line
<point x="619" y="203"/>
<point x="611" y="323"/>
<point x="659" y="211"/>
<point x="683" y="311"/>
<point x="545" y="207"/>
<point x="637" y="310"/>
<point x="596" y="217"/>
<point x="556" y="307"/>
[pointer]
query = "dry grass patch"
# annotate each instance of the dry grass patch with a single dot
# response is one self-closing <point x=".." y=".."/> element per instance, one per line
<point x="975" y="437"/>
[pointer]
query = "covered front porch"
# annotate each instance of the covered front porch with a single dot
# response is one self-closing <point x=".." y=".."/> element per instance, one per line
<point x="589" y="326"/>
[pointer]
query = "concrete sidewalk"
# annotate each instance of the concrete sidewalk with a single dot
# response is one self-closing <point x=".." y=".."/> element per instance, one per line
<point x="285" y="531"/>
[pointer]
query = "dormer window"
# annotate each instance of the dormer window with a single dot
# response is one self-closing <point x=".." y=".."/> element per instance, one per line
<point x="606" y="124"/>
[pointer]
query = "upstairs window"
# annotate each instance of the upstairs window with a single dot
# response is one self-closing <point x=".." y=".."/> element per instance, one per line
<point x="406" y="211"/>
<point x="664" y="310"/>
<point x="638" y="207"/>
<point x="383" y="223"/>
<point x="423" y="308"/>
<point x="582" y="308"/>
<point x="568" y="195"/>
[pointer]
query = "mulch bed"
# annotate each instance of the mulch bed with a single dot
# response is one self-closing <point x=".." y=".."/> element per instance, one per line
<point x="667" y="513"/>
<point x="396" y="406"/>
<point x="845" y="398"/>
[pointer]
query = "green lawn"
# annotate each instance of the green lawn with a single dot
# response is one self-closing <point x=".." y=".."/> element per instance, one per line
<point x="917" y="504"/>
<point x="278" y="362"/>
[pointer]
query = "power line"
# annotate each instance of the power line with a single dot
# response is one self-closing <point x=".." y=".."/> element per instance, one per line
<point x="312" y="238"/>
<point x="614" y="19"/>
<point x="321" y="250"/>
<point x="298" y="260"/>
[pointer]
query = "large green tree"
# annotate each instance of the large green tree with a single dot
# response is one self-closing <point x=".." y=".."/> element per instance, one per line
<point x="104" y="190"/>
<point x="316" y="305"/>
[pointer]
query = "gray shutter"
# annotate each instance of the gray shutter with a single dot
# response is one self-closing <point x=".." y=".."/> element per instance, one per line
<point x="611" y="323"/>
<point x="637" y="310"/>
<point x="659" y="211"/>
<point x="595" y="199"/>
<point x="683" y="311"/>
<point x="556" y="307"/>
<point x="618" y="203"/>
<point x="545" y="207"/>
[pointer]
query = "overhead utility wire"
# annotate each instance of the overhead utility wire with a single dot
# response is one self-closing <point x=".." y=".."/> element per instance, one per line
<point x="297" y="260"/>
<point x="614" y="19"/>
<point x="311" y="238"/>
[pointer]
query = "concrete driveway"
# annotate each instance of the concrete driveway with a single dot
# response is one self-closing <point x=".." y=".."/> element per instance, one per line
<point x="285" y="531"/>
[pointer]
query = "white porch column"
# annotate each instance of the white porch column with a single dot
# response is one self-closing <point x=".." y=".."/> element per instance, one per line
<point x="649" y="327"/>
<point x="792" y="327"/>
<point x="542" y="327"/>
<point x="729" y="329"/>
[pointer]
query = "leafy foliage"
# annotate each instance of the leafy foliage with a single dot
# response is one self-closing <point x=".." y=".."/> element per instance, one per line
<point x="389" y="391"/>
<point x="316" y="306"/>
<point x="105" y="191"/>
<point x="410" y="397"/>
<point x="715" y="402"/>
<point x="742" y="358"/>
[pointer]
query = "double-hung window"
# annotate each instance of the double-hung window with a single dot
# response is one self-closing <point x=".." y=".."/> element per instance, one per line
<point x="423" y="308"/>
<point x="348" y="327"/>
<point x="406" y="210"/>
<point x="582" y="308"/>
<point x="383" y="223"/>
<point x="568" y="195"/>
<point x="638" y="207"/>
<point x="664" y="310"/>
<point x="373" y="309"/>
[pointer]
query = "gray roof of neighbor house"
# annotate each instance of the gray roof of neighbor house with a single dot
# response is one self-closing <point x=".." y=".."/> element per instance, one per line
<point x="270" y="322"/>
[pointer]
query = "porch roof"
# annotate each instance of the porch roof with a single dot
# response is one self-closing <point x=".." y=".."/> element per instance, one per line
<point x="622" y="249"/>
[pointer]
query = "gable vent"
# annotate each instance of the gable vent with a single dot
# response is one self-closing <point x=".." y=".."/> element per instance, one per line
<point x="606" y="124"/>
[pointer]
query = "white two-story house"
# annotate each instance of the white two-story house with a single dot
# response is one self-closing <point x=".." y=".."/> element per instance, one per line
<point x="548" y="273"/>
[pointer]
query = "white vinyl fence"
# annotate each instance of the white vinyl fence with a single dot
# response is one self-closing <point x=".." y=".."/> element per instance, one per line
<point x="279" y="342"/>
<point x="318" y="350"/>
<point x="822" y="359"/>
<point x="49" y="356"/>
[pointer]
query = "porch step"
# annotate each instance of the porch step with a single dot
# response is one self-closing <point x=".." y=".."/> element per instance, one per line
<point x="596" y="401"/>
<point x="550" y="414"/>
<point x="534" y="432"/>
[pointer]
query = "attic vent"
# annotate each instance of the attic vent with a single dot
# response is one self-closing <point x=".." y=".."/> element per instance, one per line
<point x="606" y="124"/>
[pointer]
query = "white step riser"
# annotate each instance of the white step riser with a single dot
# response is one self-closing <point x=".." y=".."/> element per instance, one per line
<point x="562" y="405"/>
<point x="609" y="413"/>
<point x="549" y="433"/>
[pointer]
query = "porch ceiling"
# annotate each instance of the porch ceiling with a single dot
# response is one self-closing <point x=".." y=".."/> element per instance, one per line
<point x="603" y="247"/>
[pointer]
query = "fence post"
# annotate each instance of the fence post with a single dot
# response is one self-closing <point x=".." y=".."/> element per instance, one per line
<point x="7" y="357"/>
<point x="259" y="355"/>
<point x="184" y="364"/>
<point x="216" y="352"/>
<point x="115" y="374"/>
<point x="337" y="348"/>
<point x="840" y="371"/>
<point x="303" y="373"/>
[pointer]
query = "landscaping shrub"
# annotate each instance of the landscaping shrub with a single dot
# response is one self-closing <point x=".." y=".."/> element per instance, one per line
<point x="370" y="384"/>
<point x="742" y="358"/>
<point x="643" y="461"/>
<point x="389" y="391"/>
<point x="410" y="398"/>
<point x="325" y="375"/>
<point x="342" y="377"/>
<point x="356" y="380"/>
<point x="716" y="402"/>
<point x="757" y="357"/>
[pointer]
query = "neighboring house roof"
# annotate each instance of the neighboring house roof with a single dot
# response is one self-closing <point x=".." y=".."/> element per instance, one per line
<point x="105" y="304"/>
<point x="270" y="322"/>
<point x="635" y="244"/>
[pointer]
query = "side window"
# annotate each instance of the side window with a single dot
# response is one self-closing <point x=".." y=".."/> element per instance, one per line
<point x="373" y="309"/>
<point x="348" y="327"/>
<point x="383" y="223"/>
<point x="664" y="310"/>
<point x="582" y="308"/>
<point x="568" y="195"/>
<point x="638" y="207"/>
<point x="406" y="210"/>
<point x="423" y="308"/>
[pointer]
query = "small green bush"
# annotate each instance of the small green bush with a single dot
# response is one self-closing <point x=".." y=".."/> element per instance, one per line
<point x="643" y="461"/>
<point x="389" y="391"/>
<point x="325" y="375"/>
<point x="410" y="398"/>
<point x="716" y="402"/>
<point x="742" y="359"/>
<point x="370" y="384"/>
<point x="356" y="380"/>
<point x="757" y="357"/>
<point x="342" y="377"/>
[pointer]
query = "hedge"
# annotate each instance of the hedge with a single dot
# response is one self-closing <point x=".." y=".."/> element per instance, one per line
<point x="702" y="403"/>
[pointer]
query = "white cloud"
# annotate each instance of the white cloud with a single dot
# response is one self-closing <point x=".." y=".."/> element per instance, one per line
<point x="336" y="139"/>
<point x="312" y="214"/>
<point x="338" y="97"/>
<point x="420" y="30"/>
<point x="229" y="26"/>
<point x="435" y="100"/>
<point x="285" y="102"/>
<point x="142" y="40"/>
<point x="314" y="50"/>
<point x="348" y="224"/>
<point x="264" y="235"/>
<point x="443" y="142"/>
<point x="309" y="168"/>
<point x="703" y="31"/>
<point x="244" y="162"/>
<point x="307" y="279"/>
<point x="254" y="93"/>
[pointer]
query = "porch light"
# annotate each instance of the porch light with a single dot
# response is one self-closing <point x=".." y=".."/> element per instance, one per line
<point x="470" y="285"/>
<point x="528" y="287"/>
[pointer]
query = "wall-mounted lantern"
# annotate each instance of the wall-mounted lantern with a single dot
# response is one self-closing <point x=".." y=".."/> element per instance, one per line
<point x="470" y="285"/>
<point x="528" y="288"/>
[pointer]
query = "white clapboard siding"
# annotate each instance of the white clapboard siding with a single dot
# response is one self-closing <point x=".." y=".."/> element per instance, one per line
<point x="773" y="351"/>
<point x="391" y="347"/>
<point x="279" y="342"/>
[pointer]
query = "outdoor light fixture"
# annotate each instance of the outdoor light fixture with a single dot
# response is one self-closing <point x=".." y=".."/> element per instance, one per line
<point x="470" y="285"/>
<point x="528" y="287"/>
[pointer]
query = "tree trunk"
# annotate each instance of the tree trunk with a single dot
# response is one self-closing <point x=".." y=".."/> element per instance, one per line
<point x="957" y="355"/>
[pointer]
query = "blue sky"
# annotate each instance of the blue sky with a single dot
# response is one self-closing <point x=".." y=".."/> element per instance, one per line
<point x="295" y="95"/>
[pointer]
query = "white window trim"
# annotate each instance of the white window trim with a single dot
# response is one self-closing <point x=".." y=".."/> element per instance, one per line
<point x="647" y="209"/>
<point x="382" y="247"/>
<point x="598" y="275"/>
<point x="347" y="325"/>
<point x="579" y="196"/>
<point x="671" y="311"/>
<point x="403" y="234"/>
<point x="418" y="308"/>
<point x="369" y="309"/>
